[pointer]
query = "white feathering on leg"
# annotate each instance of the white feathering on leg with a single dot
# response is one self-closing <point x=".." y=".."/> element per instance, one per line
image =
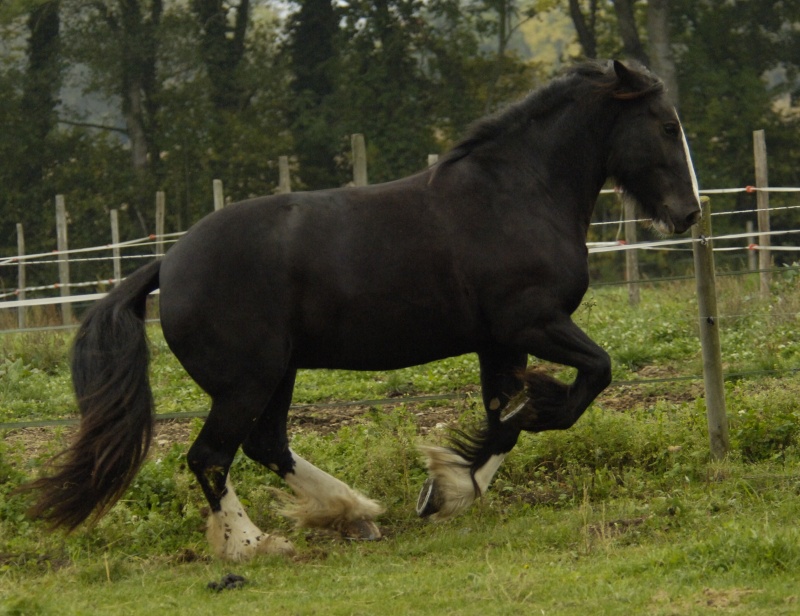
<point x="322" y="501"/>
<point x="454" y="481"/>
<point x="232" y="536"/>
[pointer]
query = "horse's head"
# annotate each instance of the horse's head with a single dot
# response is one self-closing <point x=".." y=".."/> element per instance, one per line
<point x="649" y="154"/>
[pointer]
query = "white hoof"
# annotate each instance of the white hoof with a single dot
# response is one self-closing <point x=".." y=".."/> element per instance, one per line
<point x="232" y="536"/>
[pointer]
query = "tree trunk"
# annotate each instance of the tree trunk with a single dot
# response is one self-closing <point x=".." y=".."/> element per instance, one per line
<point x="313" y="57"/>
<point x="628" y="32"/>
<point x="222" y="48"/>
<point x="587" y="35"/>
<point x="133" y="111"/>
<point x="136" y="29"/>
<point x="41" y="85"/>
<point x="662" y="59"/>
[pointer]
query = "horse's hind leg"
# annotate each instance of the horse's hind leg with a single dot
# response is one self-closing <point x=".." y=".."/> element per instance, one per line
<point x="321" y="501"/>
<point x="462" y="472"/>
<point x="231" y="533"/>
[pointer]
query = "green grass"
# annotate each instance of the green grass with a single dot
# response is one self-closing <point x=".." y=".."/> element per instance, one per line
<point x="728" y="541"/>
<point x="623" y="514"/>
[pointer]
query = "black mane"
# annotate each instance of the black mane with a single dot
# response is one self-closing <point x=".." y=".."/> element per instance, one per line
<point x="601" y="76"/>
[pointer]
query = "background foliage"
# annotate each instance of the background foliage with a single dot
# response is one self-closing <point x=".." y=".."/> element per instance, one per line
<point x="107" y="102"/>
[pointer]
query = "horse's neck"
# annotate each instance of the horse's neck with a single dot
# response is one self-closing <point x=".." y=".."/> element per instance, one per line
<point x="557" y="171"/>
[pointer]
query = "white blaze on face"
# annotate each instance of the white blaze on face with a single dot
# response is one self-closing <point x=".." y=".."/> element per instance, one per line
<point x="691" y="166"/>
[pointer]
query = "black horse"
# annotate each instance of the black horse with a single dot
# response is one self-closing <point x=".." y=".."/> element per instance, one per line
<point x="485" y="253"/>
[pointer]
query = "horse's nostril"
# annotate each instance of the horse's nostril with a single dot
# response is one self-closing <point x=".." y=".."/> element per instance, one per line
<point x="693" y="218"/>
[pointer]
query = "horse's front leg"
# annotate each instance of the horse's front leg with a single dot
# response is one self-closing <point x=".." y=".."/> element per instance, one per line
<point x="550" y="404"/>
<point x="462" y="472"/>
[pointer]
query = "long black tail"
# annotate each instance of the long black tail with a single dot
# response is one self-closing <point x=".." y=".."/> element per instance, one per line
<point x="110" y="360"/>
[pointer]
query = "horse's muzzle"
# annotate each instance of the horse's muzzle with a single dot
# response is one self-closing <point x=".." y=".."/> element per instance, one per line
<point x="680" y="218"/>
<point x="688" y="221"/>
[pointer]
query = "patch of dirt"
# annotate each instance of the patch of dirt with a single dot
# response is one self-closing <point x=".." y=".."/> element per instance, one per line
<point x="37" y="442"/>
<point x="45" y="562"/>
<point x="724" y="598"/>
<point x="43" y="442"/>
<point x="616" y="527"/>
<point x="328" y="419"/>
<point x="650" y="385"/>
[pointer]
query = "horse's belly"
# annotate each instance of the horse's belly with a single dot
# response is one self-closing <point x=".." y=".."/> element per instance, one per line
<point x="383" y="342"/>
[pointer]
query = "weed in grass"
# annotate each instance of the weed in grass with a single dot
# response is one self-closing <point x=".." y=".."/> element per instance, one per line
<point x="765" y="423"/>
<point x="395" y="385"/>
<point x="41" y="350"/>
<point x="747" y="549"/>
<point x="23" y="606"/>
<point x="107" y="570"/>
<point x="634" y="356"/>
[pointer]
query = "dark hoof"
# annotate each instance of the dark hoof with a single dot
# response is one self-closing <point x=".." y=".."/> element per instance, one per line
<point x="362" y="530"/>
<point x="430" y="500"/>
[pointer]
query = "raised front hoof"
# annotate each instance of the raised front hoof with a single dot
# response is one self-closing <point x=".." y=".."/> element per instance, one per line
<point x="361" y="530"/>
<point x="430" y="499"/>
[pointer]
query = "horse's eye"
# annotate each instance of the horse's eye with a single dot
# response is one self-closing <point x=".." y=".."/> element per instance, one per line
<point x="672" y="129"/>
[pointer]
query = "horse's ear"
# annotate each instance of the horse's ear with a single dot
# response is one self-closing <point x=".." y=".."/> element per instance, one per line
<point x="627" y="78"/>
<point x="629" y="83"/>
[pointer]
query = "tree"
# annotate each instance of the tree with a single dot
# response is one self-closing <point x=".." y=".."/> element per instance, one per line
<point x="728" y="86"/>
<point x="40" y="88"/>
<point x="312" y="49"/>
<point x="28" y="115"/>
<point x="200" y="142"/>
<point x="629" y="31"/>
<point x="585" y="26"/>
<point x="222" y="47"/>
<point x="662" y="58"/>
<point x="383" y="91"/>
<point x="118" y="40"/>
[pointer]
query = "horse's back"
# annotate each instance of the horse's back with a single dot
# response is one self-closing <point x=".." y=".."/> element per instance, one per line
<point x="357" y="278"/>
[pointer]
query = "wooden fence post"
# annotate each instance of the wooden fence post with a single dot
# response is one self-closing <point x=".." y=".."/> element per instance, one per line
<point x="432" y="159"/>
<point x="63" y="258"/>
<point x="219" y="197"/>
<point x="752" y="256"/>
<point x="705" y="276"/>
<point x="115" y="247"/>
<point x="21" y="278"/>
<point x="161" y="210"/>
<point x="284" y="179"/>
<point x="631" y="256"/>
<point x="762" y="200"/>
<point x="359" y="159"/>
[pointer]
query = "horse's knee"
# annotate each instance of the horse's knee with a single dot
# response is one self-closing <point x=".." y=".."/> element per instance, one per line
<point x="210" y="467"/>
<point x="602" y="370"/>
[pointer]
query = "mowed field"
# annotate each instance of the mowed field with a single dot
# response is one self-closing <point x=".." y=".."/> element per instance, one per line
<point x="625" y="513"/>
